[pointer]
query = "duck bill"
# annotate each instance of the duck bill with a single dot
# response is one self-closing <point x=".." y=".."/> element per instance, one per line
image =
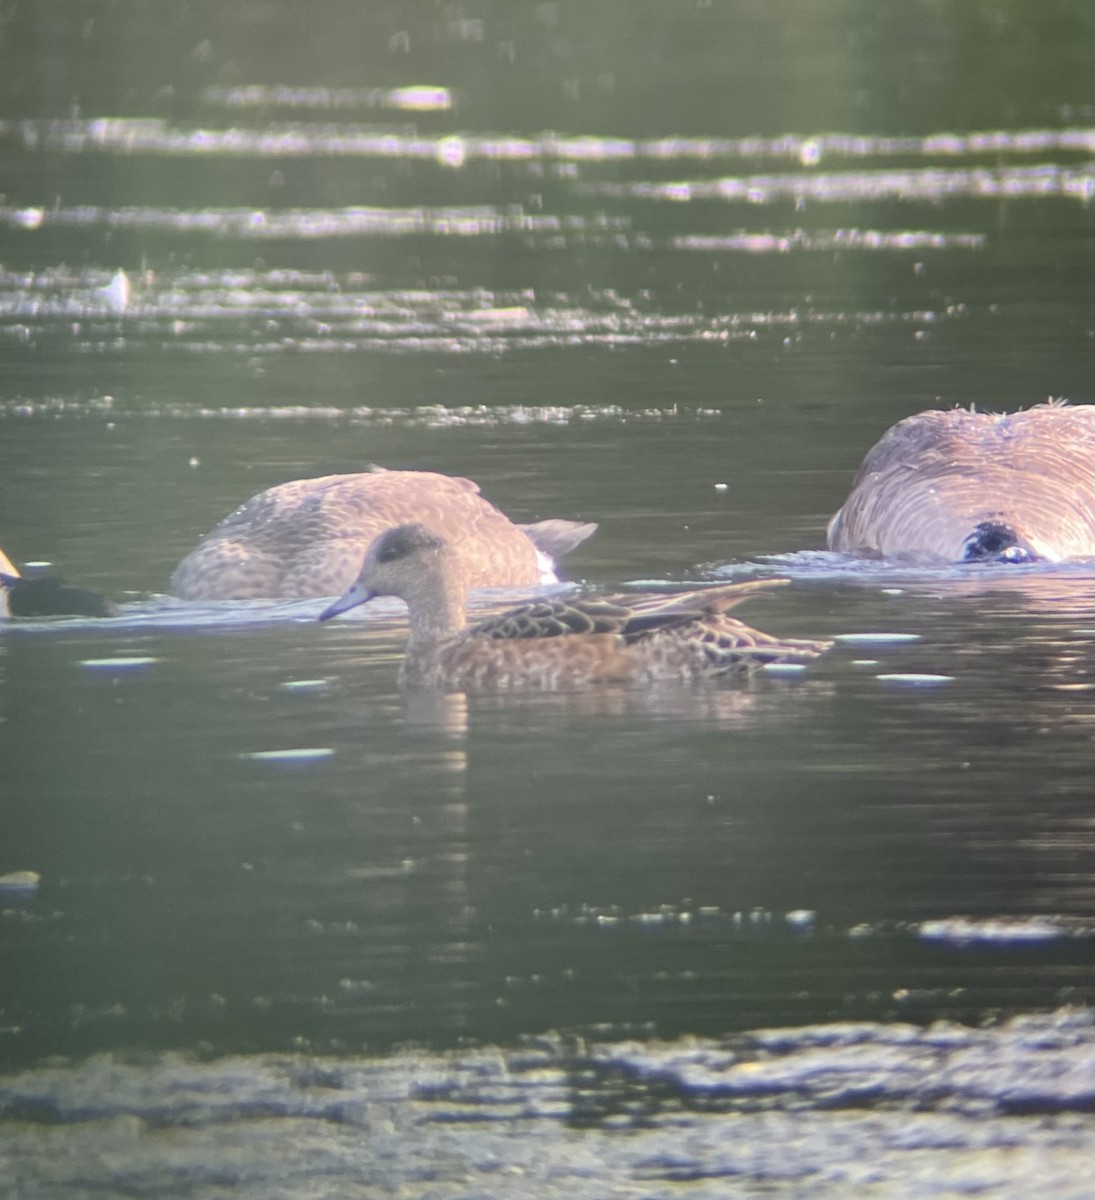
<point x="350" y="599"/>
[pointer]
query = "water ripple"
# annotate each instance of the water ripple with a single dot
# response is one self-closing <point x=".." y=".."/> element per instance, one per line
<point x="297" y="223"/>
<point x="257" y="95"/>
<point x="275" y="312"/>
<point x="911" y="184"/>
<point x="842" y="1109"/>
<point x="152" y="135"/>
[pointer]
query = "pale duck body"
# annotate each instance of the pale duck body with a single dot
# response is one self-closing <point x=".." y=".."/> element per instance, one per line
<point x="962" y="485"/>
<point x="307" y="538"/>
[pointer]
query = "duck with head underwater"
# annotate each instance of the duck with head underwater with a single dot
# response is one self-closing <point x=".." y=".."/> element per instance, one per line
<point x="47" y="595"/>
<point x="958" y="485"/>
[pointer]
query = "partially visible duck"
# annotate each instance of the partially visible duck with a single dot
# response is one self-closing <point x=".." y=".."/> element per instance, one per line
<point x="47" y="596"/>
<point x="558" y="643"/>
<point x="968" y="486"/>
<point x="308" y="537"/>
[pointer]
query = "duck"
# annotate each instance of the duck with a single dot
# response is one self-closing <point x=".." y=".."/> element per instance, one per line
<point x="961" y="485"/>
<point x="47" y="596"/>
<point x="558" y="643"/>
<point x="306" y="538"/>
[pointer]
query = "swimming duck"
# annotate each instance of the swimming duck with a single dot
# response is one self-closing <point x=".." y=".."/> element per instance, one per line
<point x="47" y="596"/>
<point x="307" y="538"/>
<point x="968" y="486"/>
<point x="557" y="643"/>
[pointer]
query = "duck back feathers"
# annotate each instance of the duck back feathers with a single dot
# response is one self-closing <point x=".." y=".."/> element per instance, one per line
<point x="962" y="485"/>
<point x="307" y="537"/>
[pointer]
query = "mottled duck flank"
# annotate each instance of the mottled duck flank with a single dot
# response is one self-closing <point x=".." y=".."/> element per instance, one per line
<point x="558" y="643"/>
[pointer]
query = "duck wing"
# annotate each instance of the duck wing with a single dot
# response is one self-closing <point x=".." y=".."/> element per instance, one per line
<point x="554" y="618"/>
<point x="657" y="611"/>
<point x="630" y="617"/>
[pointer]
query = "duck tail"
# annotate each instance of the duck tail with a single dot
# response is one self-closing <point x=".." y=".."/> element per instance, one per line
<point x="996" y="541"/>
<point x="722" y="599"/>
<point x="557" y="537"/>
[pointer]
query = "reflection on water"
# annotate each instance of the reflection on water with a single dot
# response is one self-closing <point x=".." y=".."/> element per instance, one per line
<point x="337" y="866"/>
<point x="333" y="312"/>
<point x="844" y="187"/>
<point x="152" y="136"/>
<point x="546" y="213"/>
<point x="333" y="315"/>
<point x="1068" y="589"/>
<point x="1001" y="1111"/>
<point x="408" y="99"/>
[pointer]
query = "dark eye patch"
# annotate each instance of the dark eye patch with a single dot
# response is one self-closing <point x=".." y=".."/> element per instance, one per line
<point x="405" y="540"/>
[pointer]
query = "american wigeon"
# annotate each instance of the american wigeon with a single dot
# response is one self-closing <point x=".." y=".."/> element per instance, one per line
<point x="557" y="643"/>
<point x="963" y="486"/>
<point x="308" y="537"/>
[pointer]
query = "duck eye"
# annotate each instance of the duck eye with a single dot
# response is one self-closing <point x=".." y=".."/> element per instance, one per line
<point x="398" y="543"/>
<point x="405" y="542"/>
